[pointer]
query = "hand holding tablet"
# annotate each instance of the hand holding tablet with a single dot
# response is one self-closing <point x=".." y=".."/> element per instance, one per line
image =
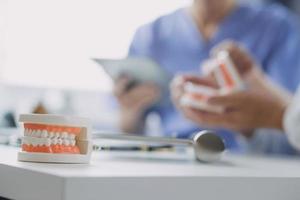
<point x="140" y="83"/>
<point x="140" y="70"/>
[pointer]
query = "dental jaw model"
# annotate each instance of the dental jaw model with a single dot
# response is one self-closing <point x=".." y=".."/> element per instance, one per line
<point x="228" y="79"/>
<point x="55" y="139"/>
<point x="196" y="96"/>
<point x="225" y="72"/>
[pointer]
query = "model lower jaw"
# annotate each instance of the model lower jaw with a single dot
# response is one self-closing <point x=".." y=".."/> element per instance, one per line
<point x="57" y="149"/>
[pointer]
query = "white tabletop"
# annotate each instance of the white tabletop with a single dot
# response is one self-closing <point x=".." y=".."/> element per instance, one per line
<point x="150" y="176"/>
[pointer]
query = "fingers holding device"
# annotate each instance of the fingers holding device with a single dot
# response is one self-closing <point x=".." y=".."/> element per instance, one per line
<point x="131" y="72"/>
<point x="134" y="99"/>
<point x="139" y="84"/>
<point x="135" y="96"/>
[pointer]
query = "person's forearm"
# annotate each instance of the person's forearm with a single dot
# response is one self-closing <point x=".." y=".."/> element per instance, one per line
<point x="279" y="103"/>
<point x="276" y="119"/>
<point x="284" y="98"/>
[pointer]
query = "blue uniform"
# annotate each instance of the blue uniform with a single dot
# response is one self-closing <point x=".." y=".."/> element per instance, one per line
<point x="175" y="43"/>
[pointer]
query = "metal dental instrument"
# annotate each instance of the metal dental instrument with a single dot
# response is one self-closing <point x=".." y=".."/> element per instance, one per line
<point x="208" y="147"/>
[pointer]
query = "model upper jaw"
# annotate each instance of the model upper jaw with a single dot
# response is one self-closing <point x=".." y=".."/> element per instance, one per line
<point x="55" y="134"/>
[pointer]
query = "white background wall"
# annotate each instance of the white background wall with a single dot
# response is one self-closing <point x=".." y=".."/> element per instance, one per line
<point x="3" y="23"/>
<point x="50" y="42"/>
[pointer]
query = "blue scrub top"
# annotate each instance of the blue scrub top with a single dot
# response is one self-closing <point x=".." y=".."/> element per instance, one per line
<point x="175" y="43"/>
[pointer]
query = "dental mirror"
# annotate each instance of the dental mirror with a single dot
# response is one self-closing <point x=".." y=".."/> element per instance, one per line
<point x="207" y="146"/>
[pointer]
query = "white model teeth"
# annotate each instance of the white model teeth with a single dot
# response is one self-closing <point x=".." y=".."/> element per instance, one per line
<point x="34" y="142"/>
<point x="66" y="142"/>
<point x="30" y="132"/>
<point x="43" y="137"/>
<point x="44" y="134"/>
<point x="72" y="136"/>
<point x="51" y="134"/>
<point x="59" y="141"/>
<point x="57" y="135"/>
<point x="38" y="133"/>
<point x="73" y="142"/>
<point x="33" y="133"/>
<point x="54" y="141"/>
<point x="64" y="135"/>
<point x="48" y="142"/>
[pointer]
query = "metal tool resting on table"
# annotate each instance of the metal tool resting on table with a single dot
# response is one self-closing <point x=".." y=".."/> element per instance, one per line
<point x="208" y="147"/>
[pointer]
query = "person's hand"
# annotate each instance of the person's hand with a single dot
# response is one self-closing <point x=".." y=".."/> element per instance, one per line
<point x="133" y="102"/>
<point x="239" y="55"/>
<point x="177" y="86"/>
<point x="246" y="110"/>
<point x="261" y="105"/>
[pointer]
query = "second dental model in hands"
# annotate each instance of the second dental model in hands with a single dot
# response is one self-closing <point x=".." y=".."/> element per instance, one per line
<point x="228" y="80"/>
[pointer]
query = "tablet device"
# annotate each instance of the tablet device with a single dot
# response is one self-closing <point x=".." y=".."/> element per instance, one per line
<point x="138" y="69"/>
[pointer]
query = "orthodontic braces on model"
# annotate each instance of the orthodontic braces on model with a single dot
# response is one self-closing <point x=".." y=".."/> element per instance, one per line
<point x="55" y="138"/>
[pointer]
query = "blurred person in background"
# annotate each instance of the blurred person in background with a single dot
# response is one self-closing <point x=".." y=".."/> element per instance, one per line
<point x="181" y="40"/>
<point x="263" y="105"/>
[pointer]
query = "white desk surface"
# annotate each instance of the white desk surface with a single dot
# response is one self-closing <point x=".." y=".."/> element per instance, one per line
<point x="150" y="176"/>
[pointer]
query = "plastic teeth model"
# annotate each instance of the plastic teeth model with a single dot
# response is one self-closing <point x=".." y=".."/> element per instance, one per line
<point x="55" y="139"/>
<point x="229" y="78"/>
<point x="224" y="72"/>
<point x="196" y="96"/>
